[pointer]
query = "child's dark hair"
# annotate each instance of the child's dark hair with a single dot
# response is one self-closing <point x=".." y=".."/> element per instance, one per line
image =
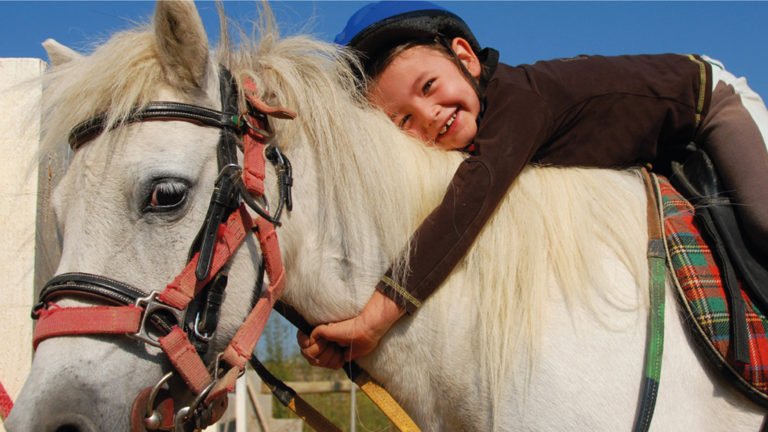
<point x="439" y="43"/>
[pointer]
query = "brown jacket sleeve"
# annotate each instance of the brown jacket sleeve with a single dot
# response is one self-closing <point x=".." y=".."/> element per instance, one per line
<point x="594" y="111"/>
<point x="473" y="194"/>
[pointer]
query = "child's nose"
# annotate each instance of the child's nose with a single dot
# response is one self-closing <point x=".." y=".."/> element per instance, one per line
<point x="429" y="115"/>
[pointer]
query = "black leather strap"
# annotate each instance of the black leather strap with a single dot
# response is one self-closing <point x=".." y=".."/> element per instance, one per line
<point x="87" y="130"/>
<point x="93" y="286"/>
<point x="224" y="200"/>
<point x="85" y="284"/>
<point x="225" y="195"/>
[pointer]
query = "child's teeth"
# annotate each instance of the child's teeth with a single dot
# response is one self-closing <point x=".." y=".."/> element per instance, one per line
<point x="448" y="124"/>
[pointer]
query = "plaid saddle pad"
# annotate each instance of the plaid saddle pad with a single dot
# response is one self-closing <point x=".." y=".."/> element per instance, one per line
<point x="702" y="295"/>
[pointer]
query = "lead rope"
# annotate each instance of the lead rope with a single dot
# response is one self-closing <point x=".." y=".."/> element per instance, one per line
<point x="655" y="338"/>
<point x="291" y="400"/>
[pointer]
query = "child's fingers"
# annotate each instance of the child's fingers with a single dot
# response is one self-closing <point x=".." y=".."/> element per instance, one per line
<point x="313" y="353"/>
<point x="324" y="354"/>
<point x="341" y="332"/>
<point x="310" y="348"/>
<point x="331" y="358"/>
<point x="304" y="340"/>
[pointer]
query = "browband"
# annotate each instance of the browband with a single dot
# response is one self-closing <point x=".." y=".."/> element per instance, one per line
<point x="86" y="130"/>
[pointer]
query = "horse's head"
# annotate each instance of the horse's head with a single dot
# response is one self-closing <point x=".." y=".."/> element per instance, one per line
<point x="152" y="226"/>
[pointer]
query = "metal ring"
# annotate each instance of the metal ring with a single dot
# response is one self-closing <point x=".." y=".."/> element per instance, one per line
<point x="187" y="411"/>
<point x="266" y="134"/>
<point x="179" y="419"/>
<point x="154" y="419"/>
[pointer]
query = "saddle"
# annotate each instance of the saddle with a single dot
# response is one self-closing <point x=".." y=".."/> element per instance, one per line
<point x="722" y="285"/>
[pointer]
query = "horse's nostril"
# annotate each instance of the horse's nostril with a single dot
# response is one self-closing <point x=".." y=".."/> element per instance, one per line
<point x="69" y="423"/>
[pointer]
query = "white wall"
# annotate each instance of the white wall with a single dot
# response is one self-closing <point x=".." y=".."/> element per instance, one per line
<point x="19" y="136"/>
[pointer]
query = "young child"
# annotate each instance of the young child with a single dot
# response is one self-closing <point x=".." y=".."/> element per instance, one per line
<point x="426" y="70"/>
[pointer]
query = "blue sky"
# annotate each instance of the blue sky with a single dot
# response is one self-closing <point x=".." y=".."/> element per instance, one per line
<point x="733" y="32"/>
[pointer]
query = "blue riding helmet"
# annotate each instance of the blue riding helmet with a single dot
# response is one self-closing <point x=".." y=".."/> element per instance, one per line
<point x="378" y="27"/>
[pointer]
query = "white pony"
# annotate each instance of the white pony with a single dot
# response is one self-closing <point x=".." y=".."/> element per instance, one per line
<point x="541" y="327"/>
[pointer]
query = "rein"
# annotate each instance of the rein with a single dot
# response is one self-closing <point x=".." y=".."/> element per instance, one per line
<point x="226" y="226"/>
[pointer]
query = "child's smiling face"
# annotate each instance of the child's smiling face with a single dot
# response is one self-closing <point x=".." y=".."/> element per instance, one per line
<point x="425" y="93"/>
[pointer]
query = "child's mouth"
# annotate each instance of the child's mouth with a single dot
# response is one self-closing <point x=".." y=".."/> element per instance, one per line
<point x="447" y="125"/>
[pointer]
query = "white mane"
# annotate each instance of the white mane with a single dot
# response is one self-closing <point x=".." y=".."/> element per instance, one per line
<point x="118" y="75"/>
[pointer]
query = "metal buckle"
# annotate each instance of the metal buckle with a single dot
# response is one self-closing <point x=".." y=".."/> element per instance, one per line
<point x="151" y="305"/>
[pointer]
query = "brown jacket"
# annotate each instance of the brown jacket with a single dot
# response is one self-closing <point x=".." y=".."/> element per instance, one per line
<point x="588" y="110"/>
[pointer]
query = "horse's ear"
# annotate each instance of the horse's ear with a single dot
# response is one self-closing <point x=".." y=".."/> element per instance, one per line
<point x="181" y="42"/>
<point x="58" y="53"/>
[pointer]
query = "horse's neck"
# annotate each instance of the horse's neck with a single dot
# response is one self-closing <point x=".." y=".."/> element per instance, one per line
<point x="340" y="257"/>
<point x="368" y="206"/>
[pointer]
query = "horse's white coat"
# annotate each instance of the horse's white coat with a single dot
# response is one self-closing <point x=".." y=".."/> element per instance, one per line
<point x="541" y="327"/>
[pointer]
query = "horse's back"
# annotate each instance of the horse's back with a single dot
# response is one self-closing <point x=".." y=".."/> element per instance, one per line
<point x="587" y="352"/>
<point x="590" y="375"/>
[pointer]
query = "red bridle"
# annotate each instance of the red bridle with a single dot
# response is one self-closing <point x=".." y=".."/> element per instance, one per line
<point x="209" y="383"/>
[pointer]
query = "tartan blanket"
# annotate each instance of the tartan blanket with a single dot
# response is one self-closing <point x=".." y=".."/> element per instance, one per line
<point x="702" y="295"/>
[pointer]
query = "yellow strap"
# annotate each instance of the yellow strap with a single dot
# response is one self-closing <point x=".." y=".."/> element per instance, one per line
<point x="377" y="394"/>
<point x="288" y="397"/>
<point x="374" y="391"/>
<point x="385" y="402"/>
<point x="311" y="416"/>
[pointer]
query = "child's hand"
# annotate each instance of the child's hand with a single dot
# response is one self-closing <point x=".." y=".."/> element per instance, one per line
<point x="320" y="352"/>
<point x="330" y="345"/>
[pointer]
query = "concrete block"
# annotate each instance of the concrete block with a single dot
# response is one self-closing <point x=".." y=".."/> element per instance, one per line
<point x="20" y="92"/>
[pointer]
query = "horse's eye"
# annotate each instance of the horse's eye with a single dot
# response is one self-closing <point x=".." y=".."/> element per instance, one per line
<point x="167" y="195"/>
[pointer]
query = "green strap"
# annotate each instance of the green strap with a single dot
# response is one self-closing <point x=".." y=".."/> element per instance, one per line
<point x="657" y="256"/>
<point x="656" y="316"/>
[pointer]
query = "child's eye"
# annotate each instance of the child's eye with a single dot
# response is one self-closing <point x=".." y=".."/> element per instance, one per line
<point x="427" y="86"/>
<point x="404" y="120"/>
